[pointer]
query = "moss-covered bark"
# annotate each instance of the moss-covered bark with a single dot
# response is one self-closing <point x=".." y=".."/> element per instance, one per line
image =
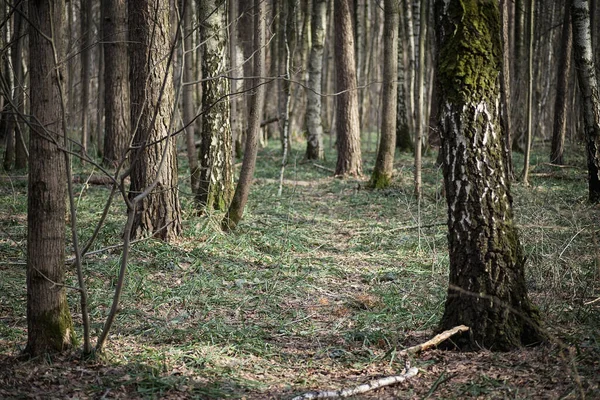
<point x="487" y="285"/>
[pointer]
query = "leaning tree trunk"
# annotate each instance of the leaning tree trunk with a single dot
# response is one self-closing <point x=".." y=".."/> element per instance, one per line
<point x="116" y="81"/>
<point x="384" y="164"/>
<point x="216" y="172"/>
<point x="487" y="289"/>
<point x="314" y="122"/>
<point x="561" y="103"/>
<point x="349" y="160"/>
<point x="257" y="102"/>
<point x="49" y="325"/>
<point x="154" y="161"/>
<point x="588" y="85"/>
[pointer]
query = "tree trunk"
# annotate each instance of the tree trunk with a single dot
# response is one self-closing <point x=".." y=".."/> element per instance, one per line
<point x="152" y="104"/>
<point x="257" y="102"/>
<point x="117" y="134"/>
<point x="529" y="132"/>
<point x="505" y="95"/>
<point x="314" y="123"/>
<point x="588" y="85"/>
<point x="419" y="115"/>
<point x="188" y="96"/>
<point x="520" y="54"/>
<point x="216" y="172"/>
<point x="412" y="62"/>
<point x="49" y="325"/>
<point x="487" y="289"/>
<point x="86" y="65"/>
<point x="403" y="140"/>
<point x="349" y="160"/>
<point x="561" y="101"/>
<point x="384" y="164"/>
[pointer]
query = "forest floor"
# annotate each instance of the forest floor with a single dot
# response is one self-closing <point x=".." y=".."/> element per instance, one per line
<point x="320" y="288"/>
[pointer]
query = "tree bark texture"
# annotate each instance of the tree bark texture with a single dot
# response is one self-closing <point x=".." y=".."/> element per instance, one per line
<point x="349" y="159"/>
<point x="403" y="139"/>
<point x="588" y="86"/>
<point x="117" y="134"/>
<point x="505" y="97"/>
<point x="561" y="103"/>
<point x="257" y="102"/>
<point x="188" y="95"/>
<point x="49" y="325"/>
<point x="152" y="103"/>
<point x="487" y="289"/>
<point x="384" y="164"/>
<point x="314" y="122"/>
<point x="216" y="173"/>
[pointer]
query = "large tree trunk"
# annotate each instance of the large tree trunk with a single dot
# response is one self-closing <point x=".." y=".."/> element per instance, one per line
<point x="257" y="102"/>
<point x="152" y="103"/>
<point x="188" y="96"/>
<point x="561" y="103"/>
<point x="216" y="172"/>
<point x="384" y="164"/>
<point x="49" y="325"/>
<point x="588" y="85"/>
<point x="116" y="81"/>
<point x="349" y="160"/>
<point x="487" y="289"/>
<point x="314" y="123"/>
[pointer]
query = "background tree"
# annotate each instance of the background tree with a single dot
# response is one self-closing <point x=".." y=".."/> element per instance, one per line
<point x="154" y="162"/>
<point x="86" y="66"/>
<point x="487" y="289"/>
<point x="384" y="164"/>
<point x="314" y="123"/>
<point x="403" y="139"/>
<point x="257" y="101"/>
<point x="216" y="174"/>
<point x="49" y="325"/>
<point x="349" y="160"/>
<point x="117" y="133"/>
<point x="561" y="102"/>
<point x="588" y="85"/>
<point x="420" y="106"/>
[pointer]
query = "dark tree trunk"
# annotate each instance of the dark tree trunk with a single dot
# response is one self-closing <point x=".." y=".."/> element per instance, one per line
<point x="487" y="289"/>
<point x="349" y="160"/>
<point x="116" y="83"/>
<point x="188" y="96"/>
<point x="384" y="164"/>
<point x="588" y="85"/>
<point x="561" y="101"/>
<point x="236" y="209"/>
<point x="49" y="325"/>
<point x="152" y="103"/>
<point x="86" y="66"/>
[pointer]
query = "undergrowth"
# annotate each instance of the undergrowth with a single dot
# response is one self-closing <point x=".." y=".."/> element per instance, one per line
<point x="326" y="282"/>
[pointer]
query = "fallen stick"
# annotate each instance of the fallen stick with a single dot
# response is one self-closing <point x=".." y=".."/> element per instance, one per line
<point x="437" y="339"/>
<point x="365" y="387"/>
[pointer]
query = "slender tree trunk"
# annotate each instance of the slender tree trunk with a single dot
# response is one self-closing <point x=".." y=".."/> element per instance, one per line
<point x="86" y="66"/>
<point x="487" y="289"/>
<point x="154" y="162"/>
<point x="216" y="170"/>
<point x="529" y="134"/>
<point x="349" y="160"/>
<point x="314" y="123"/>
<point x="188" y="96"/>
<point x="520" y="55"/>
<point x="561" y="101"/>
<point x="117" y="116"/>
<point x="588" y="85"/>
<point x="505" y="97"/>
<point x="384" y="164"/>
<point x="236" y="209"/>
<point x="49" y="324"/>
<point x="419" y="118"/>
<point x="412" y="63"/>
<point x="403" y="140"/>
